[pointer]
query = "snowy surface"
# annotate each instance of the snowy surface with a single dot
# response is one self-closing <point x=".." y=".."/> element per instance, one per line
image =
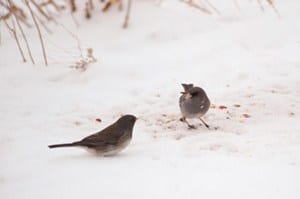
<point x="248" y="57"/>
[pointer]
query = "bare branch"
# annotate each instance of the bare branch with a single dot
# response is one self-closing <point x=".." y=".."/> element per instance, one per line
<point x="125" y="24"/>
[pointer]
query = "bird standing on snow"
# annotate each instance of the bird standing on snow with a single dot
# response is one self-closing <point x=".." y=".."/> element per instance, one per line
<point x="193" y="103"/>
<point x="109" y="141"/>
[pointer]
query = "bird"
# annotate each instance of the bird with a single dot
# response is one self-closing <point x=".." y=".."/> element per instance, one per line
<point x="193" y="103"/>
<point x="109" y="141"/>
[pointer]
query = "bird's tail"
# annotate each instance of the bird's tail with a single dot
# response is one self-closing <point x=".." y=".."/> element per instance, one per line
<point x="63" y="145"/>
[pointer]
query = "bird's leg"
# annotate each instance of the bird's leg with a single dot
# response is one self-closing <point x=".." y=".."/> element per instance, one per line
<point x="206" y="125"/>
<point x="183" y="119"/>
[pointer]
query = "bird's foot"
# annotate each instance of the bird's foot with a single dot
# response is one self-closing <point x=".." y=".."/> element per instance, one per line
<point x="191" y="126"/>
<point x="206" y="125"/>
<point x="182" y="119"/>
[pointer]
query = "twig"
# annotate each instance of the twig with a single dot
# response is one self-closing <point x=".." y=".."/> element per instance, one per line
<point x="213" y="7"/>
<point x="260" y="5"/>
<point x="42" y="23"/>
<point x="14" y="33"/>
<point x="87" y="10"/>
<point x="23" y="34"/>
<point x="73" y="5"/>
<point x="39" y="8"/>
<point x="106" y="6"/>
<point x="125" y="24"/>
<point x="120" y="7"/>
<point x="74" y="20"/>
<point x="84" y="62"/>
<point x="193" y="4"/>
<point x="77" y="39"/>
<point x="271" y="3"/>
<point x="14" y="9"/>
<point x="39" y="31"/>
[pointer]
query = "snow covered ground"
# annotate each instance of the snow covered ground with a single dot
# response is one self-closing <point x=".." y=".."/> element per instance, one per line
<point x="248" y="58"/>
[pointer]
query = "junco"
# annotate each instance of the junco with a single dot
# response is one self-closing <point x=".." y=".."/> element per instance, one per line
<point x="193" y="103"/>
<point x="109" y="141"/>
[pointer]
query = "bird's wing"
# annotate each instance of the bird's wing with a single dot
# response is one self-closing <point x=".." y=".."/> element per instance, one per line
<point x="109" y="135"/>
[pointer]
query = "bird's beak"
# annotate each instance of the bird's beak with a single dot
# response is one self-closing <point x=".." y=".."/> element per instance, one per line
<point x="184" y="93"/>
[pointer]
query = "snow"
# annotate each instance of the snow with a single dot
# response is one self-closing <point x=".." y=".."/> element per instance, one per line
<point x="245" y="57"/>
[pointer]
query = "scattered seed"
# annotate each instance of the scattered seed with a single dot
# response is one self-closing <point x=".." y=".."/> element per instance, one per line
<point x="245" y="115"/>
<point x="212" y="106"/>
<point x="222" y="107"/>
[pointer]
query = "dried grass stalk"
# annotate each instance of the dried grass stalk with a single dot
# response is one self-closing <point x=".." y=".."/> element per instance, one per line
<point x="23" y="34"/>
<point x="197" y="6"/>
<point x="39" y="32"/>
<point x="271" y="3"/>
<point x="15" y="36"/>
<point x="83" y="63"/>
<point x="125" y="24"/>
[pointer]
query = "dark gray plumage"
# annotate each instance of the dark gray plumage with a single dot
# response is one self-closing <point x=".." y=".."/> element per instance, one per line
<point x="110" y="140"/>
<point x="193" y="103"/>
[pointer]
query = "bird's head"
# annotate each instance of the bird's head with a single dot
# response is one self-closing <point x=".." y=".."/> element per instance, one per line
<point x="187" y="86"/>
<point x="127" y="121"/>
<point x="193" y="92"/>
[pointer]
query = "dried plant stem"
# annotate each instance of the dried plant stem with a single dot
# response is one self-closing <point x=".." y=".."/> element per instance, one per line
<point x="91" y="3"/>
<point x="74" y="20"/>
<point x="23" y="34"/>
<point x="77" y="39"/>
<point x="54" y="4"/>
<point x="42" y="23"/>
<point x="73" y="5"/>
<point x="39" y="31"/>
<point x="194" y="5"/>
<point x="125" y="24"/>
<point x="39" y="8"/>
<point x="14" y="33"/>
<point x="260" y="5"/>
<point x="25" y="39"/>
<point x="271" y="3"/>
<point x="120" y="7"/>
<point x="213" y="7"/>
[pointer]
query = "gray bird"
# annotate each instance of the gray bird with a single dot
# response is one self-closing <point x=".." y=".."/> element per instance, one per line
<point x="109" y="141"/>
<point x="193" y="103"/>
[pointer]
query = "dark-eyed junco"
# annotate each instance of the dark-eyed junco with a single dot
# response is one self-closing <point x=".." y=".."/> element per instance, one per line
<point x="193" y="103"/>
<point x="110" y="140"/>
